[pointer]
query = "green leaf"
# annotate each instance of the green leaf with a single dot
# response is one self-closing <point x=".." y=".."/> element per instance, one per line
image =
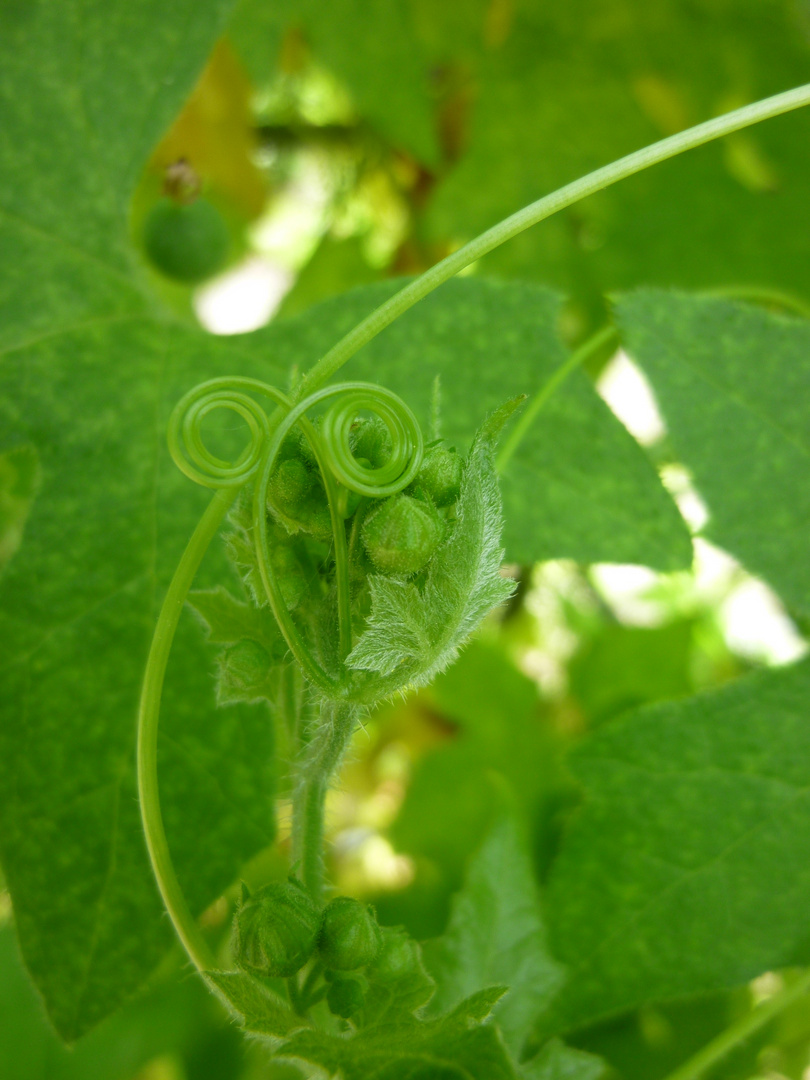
<point x="393" y="996"/>
<point x="622" y="667"/>
<point x="171" y="1018"/>
<point x="496" y="935"/>
<point x="256" y="1008"/>
<point x="458" y="1046"/>
<point x="415" y="633"/>
<point x="687" y="868"/>
<point x="556" y="1061"/>
<point x="229" y="620"/>
<point x="747" y="444"/>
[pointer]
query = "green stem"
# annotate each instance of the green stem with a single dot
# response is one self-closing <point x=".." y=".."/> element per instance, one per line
<point x="737" y="1033"/>
<point x="599" y="341"/>
<point x="539" y="211"/>
<point x="148" y="716"/>
<point x="335" y="727"/>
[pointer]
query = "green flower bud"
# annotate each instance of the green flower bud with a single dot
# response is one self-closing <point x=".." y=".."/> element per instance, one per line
<point x="398" y="955"/>
<point x="440" y="475"/>
<point x="371" y="441"/>
<point x="275" y="930"/>
<point x="345" y="997"/>
<point x="401" y="534"/>
<point x="290" y="483"/>
<point x="350" y="936"/>
<point x="188" y="242"/>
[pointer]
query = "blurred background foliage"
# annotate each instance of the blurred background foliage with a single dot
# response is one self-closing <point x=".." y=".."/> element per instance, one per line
<point x="347" y="142"/>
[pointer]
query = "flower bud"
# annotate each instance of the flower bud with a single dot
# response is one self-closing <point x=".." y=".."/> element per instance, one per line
<point x="440" y="475"/>
<point x="350" y="936"/>
<point x="401" y="534"/>
<point x="275" y="930"/>
<point x="290" y="483"/>
<point x="398" y="955"/>
<point x="345" y="997"/>
<point x="372" y="441"/>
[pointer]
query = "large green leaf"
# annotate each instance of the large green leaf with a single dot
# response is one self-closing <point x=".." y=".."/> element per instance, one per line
<point x="85" y="375"/>
<point x="78" y="604"/>
<point x="733" y="382"/>
<point x="496" y="935"/>
<point x="688" y="868"/>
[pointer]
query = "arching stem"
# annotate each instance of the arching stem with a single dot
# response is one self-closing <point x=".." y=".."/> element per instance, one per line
<point x="538" y="211"/>
<point x="148" y="715"/>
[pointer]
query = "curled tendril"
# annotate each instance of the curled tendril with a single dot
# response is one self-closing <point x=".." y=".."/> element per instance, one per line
<point x="331" y="445"/>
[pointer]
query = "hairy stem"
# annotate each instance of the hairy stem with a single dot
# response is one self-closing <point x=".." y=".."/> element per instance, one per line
<point x="334" y="729"/>
<point x="538" y="211"/>
<point x="148" y="715"/>
<point x="737" y="1033"/>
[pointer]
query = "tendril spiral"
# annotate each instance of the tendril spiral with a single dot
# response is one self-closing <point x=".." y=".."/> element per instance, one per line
<point x="331" y="445"/>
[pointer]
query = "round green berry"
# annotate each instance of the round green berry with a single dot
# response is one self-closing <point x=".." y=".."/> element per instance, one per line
<point x="401" y="534"/>
<point x="187" y="242"/>
<point x="350" y="936"/>
<point x="275" y="930"/>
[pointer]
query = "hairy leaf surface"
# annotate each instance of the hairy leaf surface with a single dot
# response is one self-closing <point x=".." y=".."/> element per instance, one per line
<point x="687" y="867"/>
<point x="458" y="1046"/>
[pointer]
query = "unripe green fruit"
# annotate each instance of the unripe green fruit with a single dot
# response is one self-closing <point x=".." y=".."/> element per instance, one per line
<point x="345" y="997"/>
<point x="290" y="483"/>
<point x="350" y="936"/>
<point x="401" y="534"/>
<point x="188" y="242"/>
<point x="275" y="930"/>
<point x="398" y="956"/>
<point x="440" y="475"/>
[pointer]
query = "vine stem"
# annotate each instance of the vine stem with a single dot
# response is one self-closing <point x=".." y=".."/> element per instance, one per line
<point x="148" y="715"/>
<point x="737" y="1033"/>
<point x="538" y="211"/>
<point x="334" y="729"/>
